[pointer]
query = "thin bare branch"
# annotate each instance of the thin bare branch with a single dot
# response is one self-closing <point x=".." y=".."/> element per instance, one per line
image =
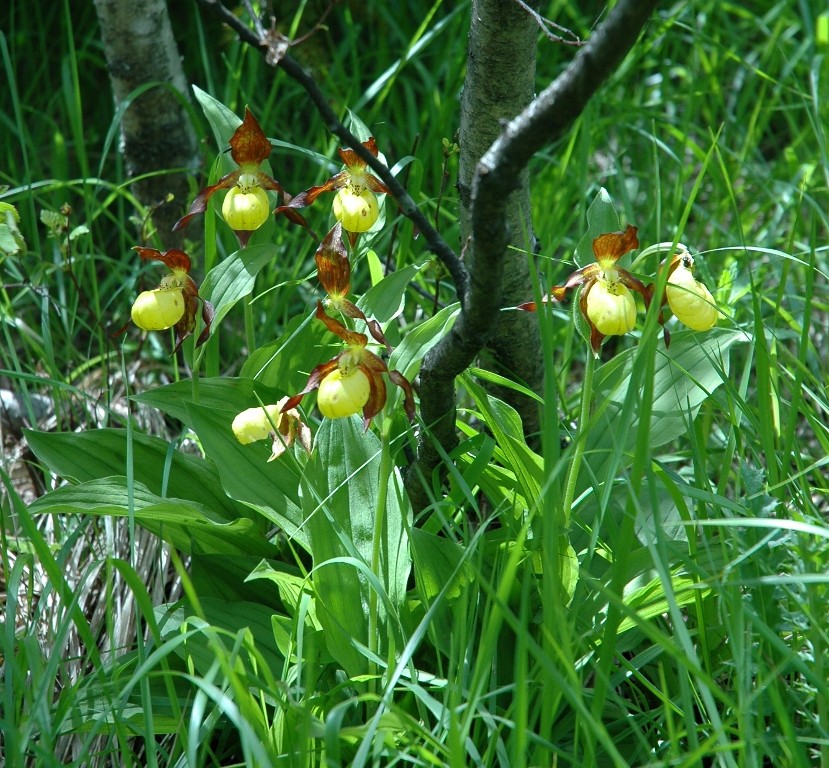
<point x="547" y="26"/>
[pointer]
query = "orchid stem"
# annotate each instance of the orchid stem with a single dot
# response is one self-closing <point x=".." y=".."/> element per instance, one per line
<point x="578" y="448"/>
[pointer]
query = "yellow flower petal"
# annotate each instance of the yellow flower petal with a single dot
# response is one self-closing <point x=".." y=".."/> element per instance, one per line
<point x="356" y="212"/>
<point x="611" y="308"/>
<point x="252" y="424"/>
<point x="690" y="300"/>
<point x="246" y="209"/>
<point x="341" y="395"/>
<point x="158" y="309"/>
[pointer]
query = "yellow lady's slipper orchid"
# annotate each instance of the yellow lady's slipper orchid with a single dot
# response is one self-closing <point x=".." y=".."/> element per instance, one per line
<point x="246" y="205"/>
<point x="252" y="424"/>
<point x="355" y="205"/>
<point x="605" y="301"/>
<point x="352" y="380"/>
<point x="175" y="302"/>
<point x="258" y="423"/>
<point x="357" y="211"/>
<point x="688" y="298"/>
<point x="158" y="309"/>
<point x="342" y="395"/>
<point x="246" y="210"/>
<point x="610" y="307"/>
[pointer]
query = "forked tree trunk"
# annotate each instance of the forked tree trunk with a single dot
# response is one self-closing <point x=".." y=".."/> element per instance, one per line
<point x="156" y="134"/>
<point x="500" y="83"/>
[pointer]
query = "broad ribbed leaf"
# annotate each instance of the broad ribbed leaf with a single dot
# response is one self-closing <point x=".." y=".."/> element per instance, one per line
<point x="99" y="453"/>
<point x="385" y="300"/>
<point x="220" y="394"/>
<point x="341" y="494"/>
<point x="231" y="617"/>
<point x="285" y="363"/>
<point x="233" y="278"/>
<point x="685" y="375"/>
<point x="601" y="218"/>
<point x="505" y="425"/>
<point x="188" y="526"/>
<point x="271" y="488"/>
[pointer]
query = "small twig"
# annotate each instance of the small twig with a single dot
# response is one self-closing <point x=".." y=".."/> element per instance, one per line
<point x="545" y="24"/>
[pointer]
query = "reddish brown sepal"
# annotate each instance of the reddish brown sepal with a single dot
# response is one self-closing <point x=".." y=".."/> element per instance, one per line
<point x="352" y="338"/>
<point x="174" y="258"/>
<point x="613" y="245"/>
<point x="249" y="145"/>
<point x="333" y="267"/>
<point x="199" y="205"/>
<point x="408" y="396"/>
<point x="317" y="375"/>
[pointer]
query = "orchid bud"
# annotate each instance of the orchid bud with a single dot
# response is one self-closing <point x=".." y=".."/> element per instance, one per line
<point x="158" y="309"/>
<point x="356" y="212"/>
<point x="343" y="395"/>
<point x="611" y="308"/>
<point x="689" y="299"/>
<point x="246" y="209"/>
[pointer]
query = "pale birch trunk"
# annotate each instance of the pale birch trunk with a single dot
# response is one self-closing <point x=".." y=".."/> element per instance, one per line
<point x="156" y="133"/>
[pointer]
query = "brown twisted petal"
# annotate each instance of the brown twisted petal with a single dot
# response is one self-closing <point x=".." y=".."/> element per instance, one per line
<point x="316" y="376"/>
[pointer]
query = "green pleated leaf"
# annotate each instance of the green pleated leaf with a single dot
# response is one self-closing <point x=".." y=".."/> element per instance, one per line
<point x="223" y="121"/>
<point x="685" y="375"/>
<point x="601" y="218"/>
<point x="385" y="300"/>
<point x="270" y="488"/>
<point x="249" y="622"/>
<point x="439" y="562"/>
<point x="187" y="526"/>
<point x="505" y="425"/>
<point x="341" y="493"/>
<point x="99" y="453"/>
<point x="285" y="363"/>
<point x="222" y="394"/>
<point x="409" y="354"/>
<point x="233" y="278"/>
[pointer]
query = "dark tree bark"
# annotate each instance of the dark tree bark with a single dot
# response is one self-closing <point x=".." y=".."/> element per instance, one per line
<point x="498" y="174"/>
<point x="499" y="84"/>
<point x="156" y="133"/>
